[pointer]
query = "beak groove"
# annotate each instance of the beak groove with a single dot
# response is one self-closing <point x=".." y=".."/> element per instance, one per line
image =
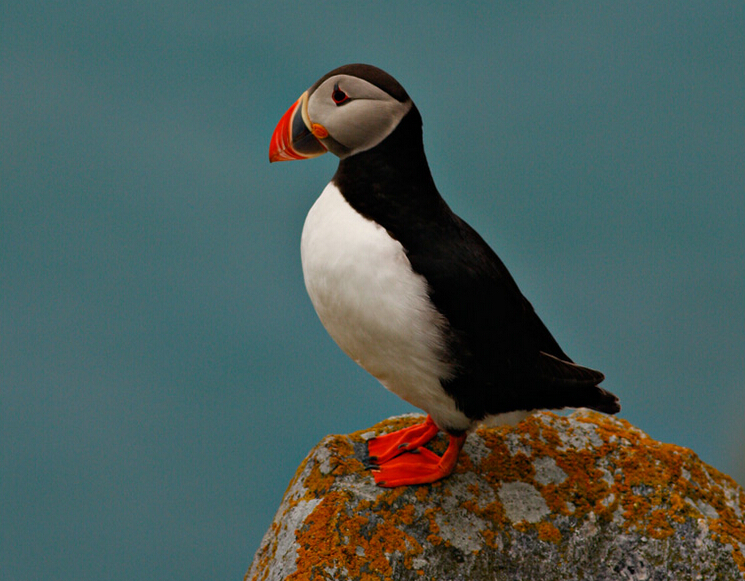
<point x="293" y="138"/>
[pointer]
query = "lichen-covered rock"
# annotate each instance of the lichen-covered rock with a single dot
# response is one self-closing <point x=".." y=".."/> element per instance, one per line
<point x="580" y="497"/>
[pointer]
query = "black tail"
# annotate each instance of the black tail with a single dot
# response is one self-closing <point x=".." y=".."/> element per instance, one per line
<point x="570" y="385"/>
<point x="595" y="398"/>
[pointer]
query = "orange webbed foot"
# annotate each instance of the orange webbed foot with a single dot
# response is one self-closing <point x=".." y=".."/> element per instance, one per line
<point x="399" y="458"/>
<point x="383" y="448"/>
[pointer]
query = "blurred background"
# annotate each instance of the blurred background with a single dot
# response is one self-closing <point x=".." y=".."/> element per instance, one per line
<point x="162" y="371"/>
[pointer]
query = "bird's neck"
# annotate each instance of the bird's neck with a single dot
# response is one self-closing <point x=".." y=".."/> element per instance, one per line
<point x="392" y="183"/>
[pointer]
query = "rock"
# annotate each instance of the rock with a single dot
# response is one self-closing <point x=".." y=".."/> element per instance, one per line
<point x="581" y="497"/>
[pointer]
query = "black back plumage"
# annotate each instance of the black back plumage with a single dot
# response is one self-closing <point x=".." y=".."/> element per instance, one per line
<point x="504" y="357"/>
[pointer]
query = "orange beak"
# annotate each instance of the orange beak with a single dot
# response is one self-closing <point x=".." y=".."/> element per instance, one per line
<point x="295" y="137"/>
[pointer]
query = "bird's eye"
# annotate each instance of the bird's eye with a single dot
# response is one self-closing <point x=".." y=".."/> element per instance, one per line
<point x="339" y="96"/>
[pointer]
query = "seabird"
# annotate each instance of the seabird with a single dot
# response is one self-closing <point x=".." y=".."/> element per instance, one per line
<point x="409" y="290"/>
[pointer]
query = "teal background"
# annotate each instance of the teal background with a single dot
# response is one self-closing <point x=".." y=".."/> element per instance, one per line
<point x="162" y="372"/>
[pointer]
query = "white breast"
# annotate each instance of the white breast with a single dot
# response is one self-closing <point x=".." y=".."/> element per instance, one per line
<point x="375" y="306"/>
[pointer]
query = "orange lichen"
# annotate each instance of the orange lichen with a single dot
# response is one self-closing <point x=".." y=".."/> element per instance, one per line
<point x="556" y="501"/>
<point x="331" y="539"/>
<point x="492" y="539"/>
<point x="434" y="528"/>
<point x="500" y="465"/>
<point x="658" y="526"/>
<point x="548" y="532"/>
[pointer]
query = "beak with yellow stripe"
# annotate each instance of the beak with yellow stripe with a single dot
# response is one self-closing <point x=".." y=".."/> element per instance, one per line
<point x="295" y="136"/>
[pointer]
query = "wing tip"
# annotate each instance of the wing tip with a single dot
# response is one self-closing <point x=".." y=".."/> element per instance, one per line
<point x="608" y="403"/>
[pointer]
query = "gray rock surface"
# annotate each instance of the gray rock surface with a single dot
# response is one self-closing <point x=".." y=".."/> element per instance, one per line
<point x="555" y="498"/>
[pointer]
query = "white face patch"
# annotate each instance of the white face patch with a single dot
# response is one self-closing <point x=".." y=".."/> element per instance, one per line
<point x="361" y="122"/>
<point x="375" y="306"/>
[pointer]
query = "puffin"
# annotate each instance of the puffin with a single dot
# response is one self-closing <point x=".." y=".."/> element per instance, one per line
<point x="408" y="289"/>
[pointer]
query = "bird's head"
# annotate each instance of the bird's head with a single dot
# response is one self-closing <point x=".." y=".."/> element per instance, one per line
<point x="349" y="110"/>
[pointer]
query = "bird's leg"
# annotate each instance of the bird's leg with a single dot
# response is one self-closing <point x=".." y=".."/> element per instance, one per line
<point x="421" y="466"/>
<point x="383" y="448"/>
